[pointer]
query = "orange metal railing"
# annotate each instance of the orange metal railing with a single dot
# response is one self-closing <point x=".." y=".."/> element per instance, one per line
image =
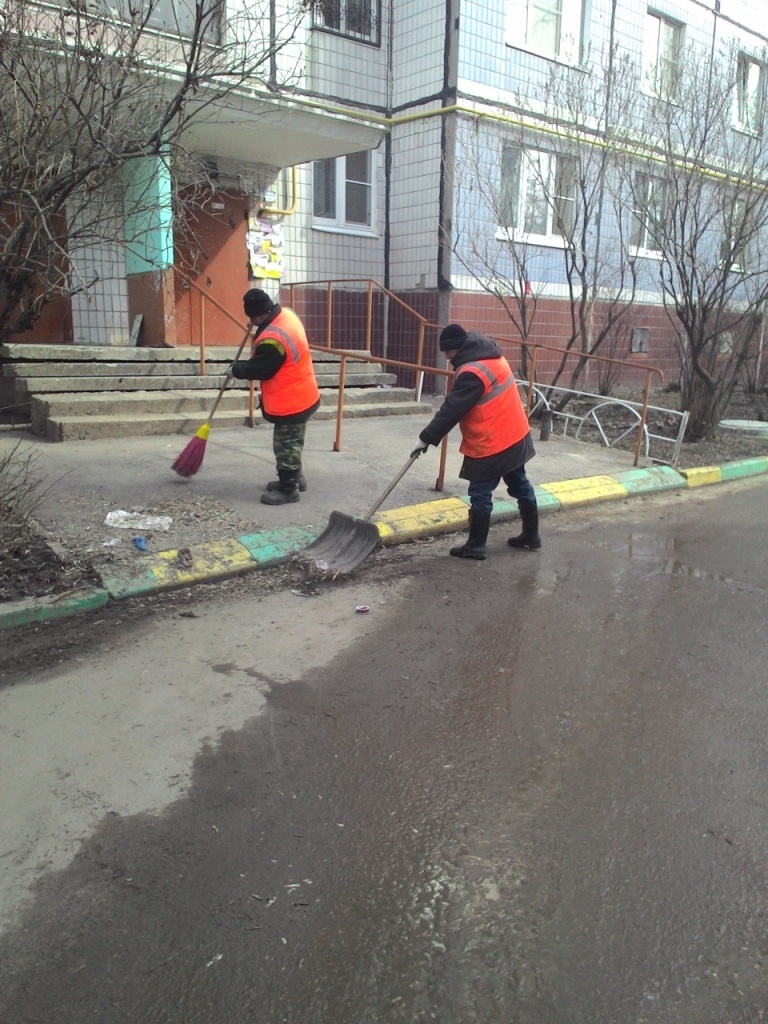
<point x="578" y="356"/>
<point x="319" y="317"/>
<point x="348" y="310"/>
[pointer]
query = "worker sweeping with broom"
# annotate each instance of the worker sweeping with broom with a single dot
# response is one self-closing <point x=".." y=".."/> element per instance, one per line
<point x="496" y="439"/>
<point x="282" y="361"/>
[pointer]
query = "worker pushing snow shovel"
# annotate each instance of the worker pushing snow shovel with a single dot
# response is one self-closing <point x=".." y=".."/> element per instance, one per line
<point x="496" y="439"/>
<point x="496" y="443"/>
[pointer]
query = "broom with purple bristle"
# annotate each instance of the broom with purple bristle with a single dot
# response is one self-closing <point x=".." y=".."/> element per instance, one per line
<point x="191" y="459"/>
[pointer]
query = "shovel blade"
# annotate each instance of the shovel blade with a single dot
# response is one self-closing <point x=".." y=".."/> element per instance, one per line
<point x="343" y="544"/>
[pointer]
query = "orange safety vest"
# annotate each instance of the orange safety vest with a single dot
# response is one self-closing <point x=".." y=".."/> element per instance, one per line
<point x="498" y="420"/>
<point x="293" y="388"/>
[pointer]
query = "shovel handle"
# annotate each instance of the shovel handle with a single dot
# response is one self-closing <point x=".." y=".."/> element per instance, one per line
<point x="223" y="387"/>
<point x="394" y="484"/>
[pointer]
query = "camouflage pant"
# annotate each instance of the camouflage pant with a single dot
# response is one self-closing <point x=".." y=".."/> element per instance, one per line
<point x="288" y="444"/>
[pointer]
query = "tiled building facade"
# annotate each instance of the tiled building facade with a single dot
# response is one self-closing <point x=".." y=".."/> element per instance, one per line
<point x="459" y="84"/>
<point x="400" y="120"/>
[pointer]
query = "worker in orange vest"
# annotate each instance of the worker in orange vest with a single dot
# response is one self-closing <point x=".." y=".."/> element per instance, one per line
<point x="496" y="439"/>
<point x="282" y="361"/>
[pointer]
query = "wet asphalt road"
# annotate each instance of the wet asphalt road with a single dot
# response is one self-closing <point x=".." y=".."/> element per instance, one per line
<point x="537" y="795"/>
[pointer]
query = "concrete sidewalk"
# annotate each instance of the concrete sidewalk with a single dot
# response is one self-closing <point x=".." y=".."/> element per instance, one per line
<point x="135" y="472"/>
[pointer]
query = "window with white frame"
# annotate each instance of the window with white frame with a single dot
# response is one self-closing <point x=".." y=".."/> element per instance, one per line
<point x="342" y="192"/>
<point x="649" y="214"/>
<point x="355" y="18"/>
<point x="725" y="343"/>
<point x="751" y="85"/>
<point x="662" y="52"/>
<point x="738" y="231"/>
<point x="550" y="28"/>
<point x="538" y="194"/>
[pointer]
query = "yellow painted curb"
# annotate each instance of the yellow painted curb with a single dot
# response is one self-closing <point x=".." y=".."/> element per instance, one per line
<point x="703" y="475"/>
<point x="586" y="490"/>
<point x="220" y="558"/>
<point x="442" y="516"/>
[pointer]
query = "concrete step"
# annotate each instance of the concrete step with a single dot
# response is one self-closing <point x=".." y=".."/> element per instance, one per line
<point x="25" y="388"/>
<point x="27" y="370"/>
<point x="112" y="353"/>
<point x="82" y="416"/>
<point x="38" y="355"/>
<point x="131" y="403"/>
<point x="86" y="428"/>
<point x="34" y="371"/>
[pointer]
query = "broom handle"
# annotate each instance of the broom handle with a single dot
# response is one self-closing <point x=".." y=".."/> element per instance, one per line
<point x="223" y="387"/>
<point x="394" y="484"/>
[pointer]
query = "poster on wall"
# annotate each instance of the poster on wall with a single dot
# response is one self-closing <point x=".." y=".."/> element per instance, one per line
<point x="265" y="248"/>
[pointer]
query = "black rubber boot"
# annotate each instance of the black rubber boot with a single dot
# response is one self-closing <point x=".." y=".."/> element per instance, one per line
<point x="479" y="524"/>
<point x="275" y="485"/>
<point x="529" y="538"/>
<point x="286" y="489"/>
<point x="282" y="496"/>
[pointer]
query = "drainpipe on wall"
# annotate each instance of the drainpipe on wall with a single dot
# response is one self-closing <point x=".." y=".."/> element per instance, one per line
<point x="760" y="346"/>
<point x="447" y="162"/>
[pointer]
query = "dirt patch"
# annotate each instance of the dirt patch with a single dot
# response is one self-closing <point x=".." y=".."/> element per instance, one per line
<point x="84" y="548"/>
<point x="31" y="567"/>
<point x="194" y="519"/>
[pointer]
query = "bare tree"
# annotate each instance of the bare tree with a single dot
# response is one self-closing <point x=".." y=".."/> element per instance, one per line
<point x="600" y="270"/>
<point x="499" y="265"/>
<point x="88" y="90"/>
<point x="545" y="195"/>
<point x="699" y="196"/>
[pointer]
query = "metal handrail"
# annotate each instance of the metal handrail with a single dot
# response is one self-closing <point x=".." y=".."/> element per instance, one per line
<point x="204" y="294"/>
<point x="647" y="370"/>
<point x="359" y="356"/>
<point x="580" y="421"/>
<point x="418" y="366"/>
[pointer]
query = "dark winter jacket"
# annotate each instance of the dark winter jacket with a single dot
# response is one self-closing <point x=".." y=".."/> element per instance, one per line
<point x="467" y="390"/>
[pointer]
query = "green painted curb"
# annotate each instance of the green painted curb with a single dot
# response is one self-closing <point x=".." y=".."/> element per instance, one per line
<point x="275" y="546"/>
<point x="22" y="613"/>
<point x="650" y="479"/>
<point x="547" y="502"/>
<point x="119" y="587"/>
<point x="745" y="467"/>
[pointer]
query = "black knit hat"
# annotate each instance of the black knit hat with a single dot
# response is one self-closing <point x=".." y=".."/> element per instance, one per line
<point x="451" y="337"/>
<point x="256" y="302"/>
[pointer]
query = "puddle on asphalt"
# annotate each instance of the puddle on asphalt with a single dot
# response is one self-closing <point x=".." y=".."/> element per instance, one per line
<point x="663" y="550"/>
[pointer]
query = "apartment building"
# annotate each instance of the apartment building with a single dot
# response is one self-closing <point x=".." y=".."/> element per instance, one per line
<point x="498" y="113"/>
<point x="444" y="149"/>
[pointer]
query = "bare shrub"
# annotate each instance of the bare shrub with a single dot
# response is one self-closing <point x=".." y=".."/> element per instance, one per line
<point x="21" y="491"/>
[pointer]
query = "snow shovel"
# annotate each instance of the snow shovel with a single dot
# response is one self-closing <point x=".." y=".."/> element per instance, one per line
<point x="346" y="541"/>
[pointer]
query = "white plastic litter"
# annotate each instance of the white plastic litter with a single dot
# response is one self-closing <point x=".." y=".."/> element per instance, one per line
<point x="137" y="520"/>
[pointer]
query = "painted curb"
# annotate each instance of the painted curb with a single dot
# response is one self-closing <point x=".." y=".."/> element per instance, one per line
<point x="273" y="546"/>
<point x="219" y="560"/>
<point x="586" y="491"/>
<point x="702" y="475"/>
<point x="428" y="519"/>
<point x="505" y="510"/>
<point x="33" y="609"/>
<point x="166" y="570"/>
<point x="745" y="467"/>
<point x="650" y="480"/>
